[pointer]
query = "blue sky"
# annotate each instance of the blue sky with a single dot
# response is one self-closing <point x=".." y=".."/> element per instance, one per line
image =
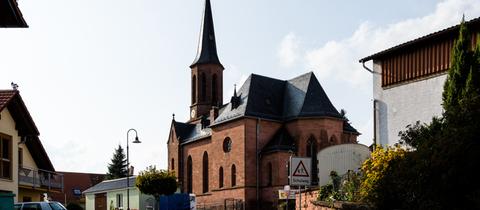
<point x="90" y="70"/>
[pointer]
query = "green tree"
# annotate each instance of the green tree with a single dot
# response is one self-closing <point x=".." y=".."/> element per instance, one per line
<point x="156" y="182"/>
<point x="118" y="167"/>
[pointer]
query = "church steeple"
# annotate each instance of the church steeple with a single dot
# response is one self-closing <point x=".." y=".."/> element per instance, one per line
<point x="207" y="71"/>
<point x="207" y="48"/>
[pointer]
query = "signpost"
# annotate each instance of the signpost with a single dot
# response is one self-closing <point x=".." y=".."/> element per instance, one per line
<point x="300" y="173"/>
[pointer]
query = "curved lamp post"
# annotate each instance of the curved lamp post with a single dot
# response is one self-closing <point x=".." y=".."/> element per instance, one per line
<point x="136" y="141"/>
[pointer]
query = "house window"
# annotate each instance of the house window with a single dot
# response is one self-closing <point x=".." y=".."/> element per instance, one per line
<point x="220" y="177"/>
<point x="119" y="201"/>
<point x="234" y="175"/>
<point x="20" y="157"/>
<point x="5" y="156"/>
<point x="205" y="172"/>
<point x="189" y="174"/>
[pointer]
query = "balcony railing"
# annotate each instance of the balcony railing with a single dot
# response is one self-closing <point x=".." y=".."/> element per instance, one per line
<point x="47" y="180"/>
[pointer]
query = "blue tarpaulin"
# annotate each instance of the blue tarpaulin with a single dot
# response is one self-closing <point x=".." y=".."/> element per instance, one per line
<point x="174" y="202"/>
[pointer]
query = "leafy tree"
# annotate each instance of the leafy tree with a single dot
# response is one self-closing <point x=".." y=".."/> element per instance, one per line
<point x="118" y="167"/>
<point x="440" y="170"/>
<point x="156" y="182"/>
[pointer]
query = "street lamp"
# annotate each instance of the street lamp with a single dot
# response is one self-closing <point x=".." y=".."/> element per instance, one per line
<point x="128" y="168"/>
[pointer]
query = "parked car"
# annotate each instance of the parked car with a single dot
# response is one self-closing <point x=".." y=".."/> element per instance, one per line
<point x="50" y="205"/>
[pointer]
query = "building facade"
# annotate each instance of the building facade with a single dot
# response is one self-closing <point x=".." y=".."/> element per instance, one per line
<point x="74" y="184"/>
<point x="112" y="194"/>
<point x="237" y="152"/>
<point x="408" y="81"/>
<point x="25" y="169"/>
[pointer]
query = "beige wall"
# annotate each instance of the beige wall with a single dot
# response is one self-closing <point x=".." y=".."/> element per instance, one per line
<point x="7" y="127"/>
<point x="137" y="200"/>
<point x="90" y="202"/>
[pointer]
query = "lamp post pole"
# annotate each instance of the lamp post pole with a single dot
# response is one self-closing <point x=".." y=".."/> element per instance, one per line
<point x="128" y="167"/>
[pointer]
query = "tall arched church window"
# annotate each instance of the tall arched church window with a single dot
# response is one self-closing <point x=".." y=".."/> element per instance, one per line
<point x="205" y="172"/>
<point x="173" y="164"/>
<point x="203" y="87"/>
<point x="189" y="174"/>
<point x="220" y="177"/>
<point x="311" y="151"/>
<point x="194" y="89"/>
<point x="234" y="175"/>
<point x="270" y="174"/>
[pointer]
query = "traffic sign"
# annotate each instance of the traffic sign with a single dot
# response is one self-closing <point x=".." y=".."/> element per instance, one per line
<point x="300" y="171"/>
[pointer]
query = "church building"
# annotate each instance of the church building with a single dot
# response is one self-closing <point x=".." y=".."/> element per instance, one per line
<point x="237" y="151"/>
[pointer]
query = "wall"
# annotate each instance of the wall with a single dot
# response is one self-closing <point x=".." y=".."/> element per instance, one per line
<point x="7" y="126"/>
<point x="34" y="194"/>
<point x="134" y="198"/>
<point x="404" y="104"/>
<point x="90" y="202"/>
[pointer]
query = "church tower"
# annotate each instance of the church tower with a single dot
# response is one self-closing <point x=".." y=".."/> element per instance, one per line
<point x="206" y="70"/>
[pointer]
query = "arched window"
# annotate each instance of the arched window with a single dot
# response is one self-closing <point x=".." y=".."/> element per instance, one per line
<point x="220" y="177"/>
<point x="205" y="172"/>
<point x="189" y="174"/>
<point x="214" y="90"/>
<point x="173" y="164"/>
<point x="333" y="139"/>
<point x="203" y="87"/>
<point x="227" y="144"/>
<point x="312" y="152"/>
<point x="270" y="174"/>
<point x="194" y="89"/>
<point x="234" y="176"/>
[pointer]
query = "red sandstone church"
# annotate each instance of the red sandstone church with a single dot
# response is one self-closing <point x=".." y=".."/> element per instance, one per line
<point x="237" y="151"/>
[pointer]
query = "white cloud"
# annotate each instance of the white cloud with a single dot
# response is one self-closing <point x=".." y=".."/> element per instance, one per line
<point x="338" y="59"/>
<point x="288" y="51"/>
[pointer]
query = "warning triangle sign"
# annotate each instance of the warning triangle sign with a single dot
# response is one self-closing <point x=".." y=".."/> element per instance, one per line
<point x="301" y="170"/>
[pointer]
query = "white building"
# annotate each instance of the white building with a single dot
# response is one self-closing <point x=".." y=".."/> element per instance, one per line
<point x="408" y="81"/>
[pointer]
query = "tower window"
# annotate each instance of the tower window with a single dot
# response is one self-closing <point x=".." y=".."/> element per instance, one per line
<point x="194" y="89"/>
<point x="203" y="87"/>
<point x="214" y="90"/>
<point x="270" y="174"/>
<point x="173" y="164"/>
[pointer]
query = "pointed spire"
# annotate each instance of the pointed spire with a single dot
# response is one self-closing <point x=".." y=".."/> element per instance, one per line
<point x="235" y="100"/>
<point x="207" y="48"/>
<point x="234" y="90"/>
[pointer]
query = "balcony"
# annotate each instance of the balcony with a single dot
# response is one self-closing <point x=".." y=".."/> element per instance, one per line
<point x="40" y="179"/>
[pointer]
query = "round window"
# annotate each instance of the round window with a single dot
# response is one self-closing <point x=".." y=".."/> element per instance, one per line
<point x="227" y="144"/>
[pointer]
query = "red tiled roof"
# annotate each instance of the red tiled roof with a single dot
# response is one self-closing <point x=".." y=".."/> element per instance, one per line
<point x="5" y="97"/>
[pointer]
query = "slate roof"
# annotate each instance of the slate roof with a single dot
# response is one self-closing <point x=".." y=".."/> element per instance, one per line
<point x="10" y="15"/>
<point x="26" y="127"/>
<point x="281" y="141"/>
<point x="280" y="100"/>
<point x="207" y="48"/>
<point x="273" y="99"/>
<point x="113" y="184"/>
<point x="190" y="132"/>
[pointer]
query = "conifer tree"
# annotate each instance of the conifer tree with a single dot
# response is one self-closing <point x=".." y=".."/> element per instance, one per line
<point x="117" y="168"/>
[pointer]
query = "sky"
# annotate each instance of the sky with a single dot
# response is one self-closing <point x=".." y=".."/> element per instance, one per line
<point x="88" y="70"/>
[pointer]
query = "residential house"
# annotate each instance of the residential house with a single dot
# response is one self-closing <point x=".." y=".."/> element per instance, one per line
<point x="112" y="194"/>
<point x="25" y="168"/>
<point x="408" y="81"/>
<point x="74" y="184"/>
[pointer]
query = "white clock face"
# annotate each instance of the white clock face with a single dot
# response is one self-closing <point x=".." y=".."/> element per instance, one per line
<point x="192" y="114"/>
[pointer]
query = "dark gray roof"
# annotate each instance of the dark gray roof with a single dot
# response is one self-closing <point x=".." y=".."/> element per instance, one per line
<point x="113" y="184"/>
<point x="281" y="141"/>
<point x="10" y="15"/>
<point x="190" y="132"/>
<point x="280" y="100"/>
<point x="207" y="48"/>
<point x="273" y="99"/>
